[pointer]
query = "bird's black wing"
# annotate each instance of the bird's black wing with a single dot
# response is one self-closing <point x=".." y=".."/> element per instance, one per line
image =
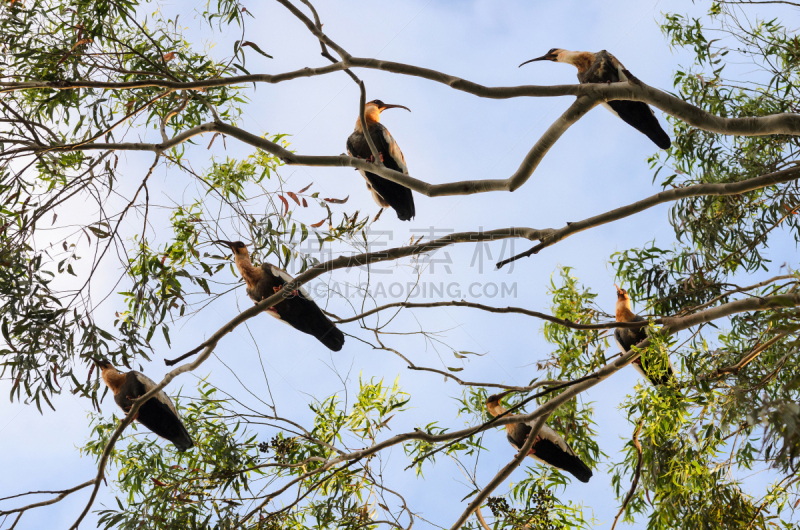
<point x="655" y="371"/>
<point x="303" y="314"/>
<point x="520" y="434"/>
<point x="158" y="413"/>
<point x="550" y="453"/>
<point x="163" y="421"/>
<point x="602" y="70"/>
<point x="640" y="116"/>
<point x="606" y="69"/>
<point x="398" y="196"/>
<point x="131" y="389"/>
<point x="628" y="337"/>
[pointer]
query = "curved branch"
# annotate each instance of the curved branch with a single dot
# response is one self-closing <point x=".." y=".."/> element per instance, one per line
<point x="672" y="325"/>
<point x="730" y="188"/>
<point x="15" y="86"/>
<point x="491" y="309"/>
<point x="358" y="260"/>
<point x="60" y="496"/>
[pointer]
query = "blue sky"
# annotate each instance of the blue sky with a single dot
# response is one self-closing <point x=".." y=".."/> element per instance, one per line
<point x="599" y="164"/>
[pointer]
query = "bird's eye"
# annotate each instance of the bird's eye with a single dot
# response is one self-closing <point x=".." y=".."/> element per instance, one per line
<point x="552" y="50"/>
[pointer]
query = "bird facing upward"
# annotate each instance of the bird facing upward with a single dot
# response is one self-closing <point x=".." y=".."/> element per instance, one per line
<point x="549" y="448"/>
<point x="628" y="337"/>
<point x="157" y="413"/>
<point x="602" y="67"/>
<point x="385" y="192"/>
<point x="298" y="309"/>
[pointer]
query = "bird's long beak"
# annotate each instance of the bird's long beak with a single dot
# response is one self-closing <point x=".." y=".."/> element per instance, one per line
<point x="223" y="242"/>
<point x="394" y="107"/>
<point x="619" y="291"/>
<point x="545" y="57"/>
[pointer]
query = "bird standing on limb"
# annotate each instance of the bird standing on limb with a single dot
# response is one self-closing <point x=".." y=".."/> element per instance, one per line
<point x="385" y="192"/>
<point x="549" y="448"/>
<point x="298" y="309"/>
<point x="157" y="413"/>
<point x="602" y="67"/>
<point x="628" y="337"/>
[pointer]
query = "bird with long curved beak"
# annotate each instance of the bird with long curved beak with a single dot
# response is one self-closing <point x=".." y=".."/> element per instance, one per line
<point x="385" y="192"/>
<point x="602" y="67"/>
<point x="628" y="337"/>
<point x="157" y="413"/>
<point x="549" y="448"/>
<point x="298" y="309"/>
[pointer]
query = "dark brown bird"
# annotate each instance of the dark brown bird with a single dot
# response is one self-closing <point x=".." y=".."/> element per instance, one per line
<point x="298" y="310"/>
<point x="602" y="67"/>
<point x="549" y="448"/>
<point x="629" y="337"/>
<point x="157" y="414"/>
<point x="385" y="192"/>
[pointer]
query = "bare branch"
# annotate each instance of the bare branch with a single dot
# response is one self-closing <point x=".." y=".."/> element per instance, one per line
<point x="357" y="261"/>
<point x="491" y="309"/>
<point x="729" y="188"/>
<point x="61" y="495"/>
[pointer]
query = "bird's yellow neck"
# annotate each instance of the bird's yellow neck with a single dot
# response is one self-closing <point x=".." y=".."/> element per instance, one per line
<point x="496" y="409"/>
<point x="580" y="60"/>
<point x="371" y="115"/>
<point x="623" y="310"/>
<point x="113" y="379"/>
<point x="251" y="274"/>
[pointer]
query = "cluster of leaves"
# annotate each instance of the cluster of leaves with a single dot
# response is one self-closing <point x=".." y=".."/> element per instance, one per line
<point x="727" y="234"/>
<point x="210" y="485"/>
<point x="202" y="487"/>
<point x="733" y="410"/>
<point x="537" y="516"/>
<point x="43" y="333"/>
<point x="46" y="326"/>
<point x="577" y="353"/>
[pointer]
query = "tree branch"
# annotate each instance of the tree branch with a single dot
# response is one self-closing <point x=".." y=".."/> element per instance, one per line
<point x="60" y="496"/>
<point x="729" y="188"/>
<point x="491" y="309"/>
<point x="357" y="261"/>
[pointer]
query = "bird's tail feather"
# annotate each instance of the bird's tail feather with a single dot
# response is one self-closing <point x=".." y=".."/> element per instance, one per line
<point x="184" y="440"/>
<point x="333" y="338"/>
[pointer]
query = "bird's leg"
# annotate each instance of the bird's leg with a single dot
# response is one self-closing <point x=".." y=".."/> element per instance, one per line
<point x="536" y="441"/>
<point x="128" y="408"/>
<point x="370" y="159"/>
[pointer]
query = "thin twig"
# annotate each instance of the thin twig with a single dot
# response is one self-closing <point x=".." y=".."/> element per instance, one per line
<point x="636" y="475"/>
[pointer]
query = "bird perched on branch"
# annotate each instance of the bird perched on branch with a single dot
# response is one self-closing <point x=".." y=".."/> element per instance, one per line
<point x="629" y="337"/>
<point x="385" y="192"/>
<point x="549" y="447"/>
<point x="157" y="413"/>
<point x="298" y="309"/>
<point x="602" y="67"/>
